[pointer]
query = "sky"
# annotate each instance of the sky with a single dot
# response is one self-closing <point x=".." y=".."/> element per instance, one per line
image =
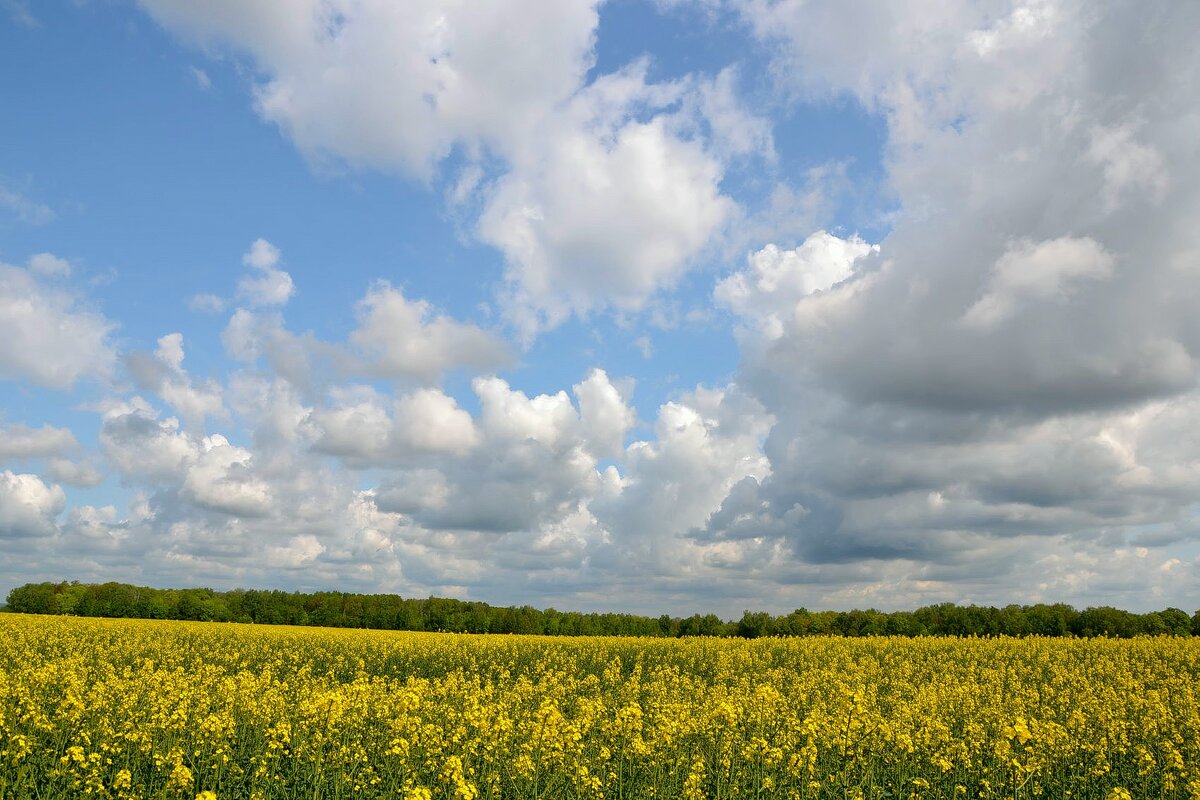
<point x="660" y="306"/>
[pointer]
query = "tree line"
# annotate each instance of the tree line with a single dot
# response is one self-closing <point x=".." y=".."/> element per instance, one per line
<point x="392" y="612"/>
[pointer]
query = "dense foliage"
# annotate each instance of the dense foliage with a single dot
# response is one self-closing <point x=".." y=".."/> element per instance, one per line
<point x="133" y="710"/>
<point x="391" y="612"/>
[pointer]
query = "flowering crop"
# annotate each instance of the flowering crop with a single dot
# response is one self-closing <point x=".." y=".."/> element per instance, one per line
<point x="142" y="709"/>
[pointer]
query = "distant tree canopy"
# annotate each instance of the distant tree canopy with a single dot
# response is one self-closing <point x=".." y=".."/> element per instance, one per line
<point x="392" y="612"/>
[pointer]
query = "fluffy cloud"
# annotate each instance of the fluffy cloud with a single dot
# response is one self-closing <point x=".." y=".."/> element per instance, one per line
<point x="49" y="265"/>
<point x="207" y="472"/>
<point x="22" y="441"/>
<point x="1031" y="271"/>
<point x="401" y="338"/>
<point x="1009" y="205"/>
<point x="47" y="334"/>
<point x="705" y="444"/>
<point x="28" y="507"/>
<point x="163" y="374"/>
<point x="141" y="445"/>
<point x="604" y="414"/>
<point x="372" y="84"/>
<point x="774" y="282"/>
<point x="266" y="285"/>
<point x="220" y="478"/>
<point x="74" y="473"/>
<point x="360" y="428"/>
<point x="994" y="397"/>
<point x="606" y="208"/>
<point x="599" y="192"/>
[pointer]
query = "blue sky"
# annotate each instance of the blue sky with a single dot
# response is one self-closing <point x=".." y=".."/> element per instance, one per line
<point x="650" y="306"/>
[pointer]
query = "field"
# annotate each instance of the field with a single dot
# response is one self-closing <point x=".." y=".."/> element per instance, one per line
<point x="139" y="709"/>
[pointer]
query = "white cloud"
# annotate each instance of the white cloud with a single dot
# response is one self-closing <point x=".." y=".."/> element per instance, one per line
<point x="22" y="441"/>
<point x="605" y="416"/>
<point x="49" y="265"/>
<point x="356" y="427"/>
<point x="1128" y="165"/>
<point x="1037" y="271"/>
<point x="170" y="351"/>
<point x="47" y="334"/>
<point x="776" y="280"/>
<point x="299" y="552"/>
<point x="28" y="507"/>
<point x="221" y="478"/>
<point x="24" y="209"/>
<point x="266" y="286"/>
<point x="360" y="428"/>
<point x="736" y="130"/>
<point x="508" y="415"/>
<point x="413" y="491"/>
<point x="208" y="472"/>
<point x="1045" y="197"/>
<point x="373" y="84"/>
<point x="608" y="190"/>
<point x="74" y="473"/>
<point x="429" y="420"/>
<point x="401" y="338"/>
<point x="163" y="373"/>
<point x="606" y="208"/>
<point x="705" y="444"/>
<point x="244" y="333"/>
<point x="207" y="303"/>
<point x="142" y="446"/>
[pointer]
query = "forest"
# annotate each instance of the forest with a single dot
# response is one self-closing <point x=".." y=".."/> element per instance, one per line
<point x="392" y="612"/>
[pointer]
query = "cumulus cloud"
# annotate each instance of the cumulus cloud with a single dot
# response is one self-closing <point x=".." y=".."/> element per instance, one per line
<point x="375" y="85"/>
<point x="28" y="507"/>
<point x="359" y="426"/>
<point x="22" y="441"/>
<point x="163" y="373"/>
<point x="532" y="494"/>
<point x="1004" y="206"/>
<point x="48" y="335"/>
<point x="139" y="444"/>
<point x="775" y="281"/>
<point x="220" y="478"/>
<point x="400" y="338"/>
<point x="1037" y="271"/>
<point x="49" y="265"/>
<point x="604" y="414"/>
<point x="74" y="473"/>
<point x="599" y="191"/>
<point x="705" y="444"/>
<point x="980" y="406"/>
<point x="266" y="285"/>
<point x="207" y="303"/>
<point x="607" y="208"/>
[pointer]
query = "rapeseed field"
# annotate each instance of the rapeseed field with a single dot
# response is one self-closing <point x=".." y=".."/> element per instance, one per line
<point x="148" y="709"/>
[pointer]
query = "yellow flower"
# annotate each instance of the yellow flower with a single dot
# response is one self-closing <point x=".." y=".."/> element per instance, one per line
<point x="180" y="777"/>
